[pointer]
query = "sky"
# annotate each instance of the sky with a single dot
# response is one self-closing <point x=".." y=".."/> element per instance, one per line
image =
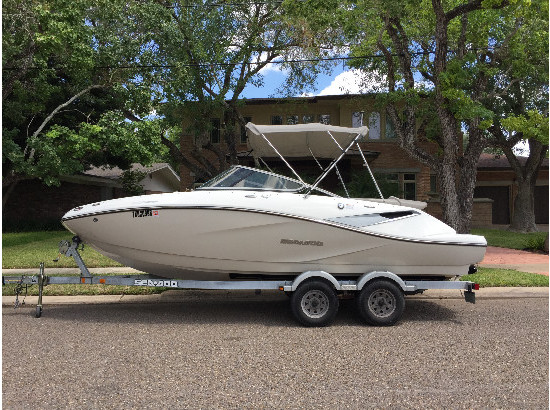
<point x="341" y="81"/>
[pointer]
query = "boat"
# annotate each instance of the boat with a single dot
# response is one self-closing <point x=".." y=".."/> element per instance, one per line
<point x="251" y="222"/>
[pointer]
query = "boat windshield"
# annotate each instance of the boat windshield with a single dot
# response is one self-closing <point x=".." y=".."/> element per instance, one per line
<point x="239" y="177"/>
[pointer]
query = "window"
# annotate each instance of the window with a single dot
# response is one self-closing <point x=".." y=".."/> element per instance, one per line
<point x="292" y="119"/>
<point x="409" y="186"/>
<point x="357" y="119"/>
<point x="240" y="177"/>
<point x="276" y="120"/>
<point x="374" y="126"/>
<point x="402" y="185"/>
<point x="392" y="181"/>
<point x="215" y="131"/>
<point x="324" y="119"/>
<point x="433" y="183"/>
<point x="308" y="118"/>
<point x="390" y="128"/>
<point x="243" y="130"/>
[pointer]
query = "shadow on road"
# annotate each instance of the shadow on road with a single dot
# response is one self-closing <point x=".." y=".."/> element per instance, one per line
<point x="220" y="310"/>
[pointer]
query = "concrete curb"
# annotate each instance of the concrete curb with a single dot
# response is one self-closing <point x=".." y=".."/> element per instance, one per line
<point x="174" y="296"/>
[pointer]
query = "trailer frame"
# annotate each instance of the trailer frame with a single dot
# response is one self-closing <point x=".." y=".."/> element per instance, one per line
<point x="319" y="290"/>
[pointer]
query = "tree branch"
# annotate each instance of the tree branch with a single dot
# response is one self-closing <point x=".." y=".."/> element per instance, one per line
<point x="471" y="6"/>
<point x="56" y="110"/>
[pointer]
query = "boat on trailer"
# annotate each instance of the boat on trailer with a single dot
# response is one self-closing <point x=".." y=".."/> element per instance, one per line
<point x="255" y="229"/>
<point x="254" y="223"/>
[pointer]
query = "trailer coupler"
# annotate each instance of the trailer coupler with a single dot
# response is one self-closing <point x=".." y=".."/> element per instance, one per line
<point x="23" y="283"/>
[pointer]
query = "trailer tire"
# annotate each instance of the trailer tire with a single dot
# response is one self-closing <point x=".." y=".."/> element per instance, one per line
<point x="314" y="303"/>
<point x="381" y="303"/>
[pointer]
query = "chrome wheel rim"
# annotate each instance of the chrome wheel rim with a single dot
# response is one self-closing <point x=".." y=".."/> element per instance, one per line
<point x="382" y="303"/>
<point x="315" y="304"/>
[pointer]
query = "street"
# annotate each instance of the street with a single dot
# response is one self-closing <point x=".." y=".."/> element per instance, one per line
<point x="246" y="351"/>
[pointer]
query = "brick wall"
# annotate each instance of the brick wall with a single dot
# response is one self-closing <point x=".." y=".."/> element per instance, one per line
<point x="32" y="201"/>
<point x="482" y="212"/>
<point x="394" y="158"/>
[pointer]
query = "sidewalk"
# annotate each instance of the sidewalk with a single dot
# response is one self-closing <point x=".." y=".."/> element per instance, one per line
<point x="523" y="261"/>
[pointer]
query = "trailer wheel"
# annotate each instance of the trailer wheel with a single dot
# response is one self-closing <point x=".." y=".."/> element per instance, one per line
<point x="38" y="311"/>
<point x="381" y="303"/>
<point x="314" y="303"/>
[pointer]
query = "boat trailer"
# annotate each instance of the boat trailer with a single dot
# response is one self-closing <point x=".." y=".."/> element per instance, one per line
<point x="314" y="295"/>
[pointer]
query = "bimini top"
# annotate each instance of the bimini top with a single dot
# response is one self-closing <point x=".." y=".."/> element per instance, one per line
<point x="301" y="140"/>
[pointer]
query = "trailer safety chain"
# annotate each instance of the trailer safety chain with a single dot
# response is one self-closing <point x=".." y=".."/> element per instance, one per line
<point x="18" y="291"/>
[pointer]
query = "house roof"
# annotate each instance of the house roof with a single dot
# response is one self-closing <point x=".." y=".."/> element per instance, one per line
<point x="110" y="177"/>
<point x="501" y="162"/>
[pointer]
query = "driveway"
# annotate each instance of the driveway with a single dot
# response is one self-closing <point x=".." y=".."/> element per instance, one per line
<point x="245" y="351"/>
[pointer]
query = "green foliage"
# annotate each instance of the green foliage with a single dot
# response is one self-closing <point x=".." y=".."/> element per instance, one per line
<point x="130" y="181"/>
<point x="64" y="101"/>
<point x="491" y="277"/>
<point x="532" y="125"/>
<point x="536" y="243"/>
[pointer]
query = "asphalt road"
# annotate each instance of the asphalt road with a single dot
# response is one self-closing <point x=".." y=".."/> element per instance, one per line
<point x="227" y="351"/>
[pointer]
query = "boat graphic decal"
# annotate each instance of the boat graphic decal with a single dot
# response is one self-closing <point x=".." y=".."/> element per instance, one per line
<point x="297" y="242"/>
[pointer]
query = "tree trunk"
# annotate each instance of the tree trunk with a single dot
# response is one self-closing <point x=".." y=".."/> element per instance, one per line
<point x="449" y="200"/>
<point x="523" y="217"/>
<point x="230" y="135"/>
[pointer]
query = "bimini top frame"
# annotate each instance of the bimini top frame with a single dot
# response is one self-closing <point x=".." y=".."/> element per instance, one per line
<point x="303" y="140"/>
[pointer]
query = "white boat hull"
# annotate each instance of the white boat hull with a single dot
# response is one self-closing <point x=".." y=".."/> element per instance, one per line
<point x="220" y="243"/>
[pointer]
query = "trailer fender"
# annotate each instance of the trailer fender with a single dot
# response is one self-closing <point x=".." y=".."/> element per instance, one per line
<point x="367" y="277"/>
<point x="312" y="274"/>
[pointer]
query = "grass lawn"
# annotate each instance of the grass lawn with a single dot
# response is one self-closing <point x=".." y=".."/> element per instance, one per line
<point x="28" y="249"/>
<point x="512" y="240"/>
<point x="76" y="290"/>
<point x="493" y="277"/>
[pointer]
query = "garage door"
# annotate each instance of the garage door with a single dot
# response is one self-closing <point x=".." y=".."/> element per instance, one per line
<point x="541" y="204"/>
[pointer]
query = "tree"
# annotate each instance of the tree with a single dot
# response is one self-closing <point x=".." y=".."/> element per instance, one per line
<point x="532" y="127"/>
<point x="437" y="60"/>
<point x="519" y="98"/>
<point x="207" y="53"/>
<point x="63" y="103"/>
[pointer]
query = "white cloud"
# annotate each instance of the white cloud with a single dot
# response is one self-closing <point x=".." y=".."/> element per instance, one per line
<point x="355" y="82"/>
<point x="271" y="67"/>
